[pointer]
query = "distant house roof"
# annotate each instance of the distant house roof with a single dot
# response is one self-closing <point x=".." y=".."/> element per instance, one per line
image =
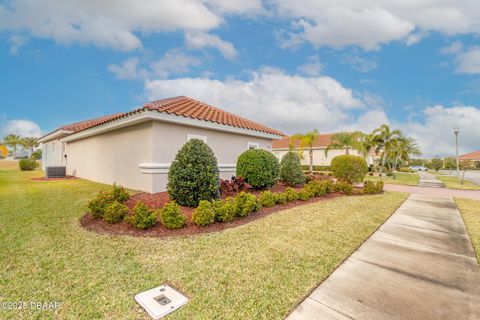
<point x="183" y="107"/>
<point x="470" y="156"/>
<point x="322" y="141"/>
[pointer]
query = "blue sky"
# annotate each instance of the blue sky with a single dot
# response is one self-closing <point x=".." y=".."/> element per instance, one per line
<point x="330" y="65"/>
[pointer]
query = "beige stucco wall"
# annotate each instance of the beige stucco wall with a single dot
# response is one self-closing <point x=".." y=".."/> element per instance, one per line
<point x="319" y="157"/>
<point x="53" y="153"/>
<point x="168" y="138"/>
<point x="113" y="156"/>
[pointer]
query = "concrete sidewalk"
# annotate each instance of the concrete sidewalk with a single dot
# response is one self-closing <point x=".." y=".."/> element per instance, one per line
<point x="429" y="180"/>
<point x="419" y="265"/>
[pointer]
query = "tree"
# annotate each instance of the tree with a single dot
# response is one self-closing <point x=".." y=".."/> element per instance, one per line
<point x="347" y="141"/>
<point x="385" y="139"/>
<point x="306" y="141"/>
<point x="291" y="169"/>
<point x="464" y="166"/>
<point x="436" y="164"/>
<point x="449" y="164"/>
<point x="13" y="141"/>
<point x="403" y="148"/>
<point x="29" y="143"/>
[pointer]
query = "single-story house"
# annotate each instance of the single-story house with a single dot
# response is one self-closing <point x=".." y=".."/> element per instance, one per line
<point x="135" y="149"/>
<point x="282" y="146"/>
<point x="472" y="156"/>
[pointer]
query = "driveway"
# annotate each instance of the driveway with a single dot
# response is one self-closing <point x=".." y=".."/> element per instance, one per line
<point x="420" y="264"/>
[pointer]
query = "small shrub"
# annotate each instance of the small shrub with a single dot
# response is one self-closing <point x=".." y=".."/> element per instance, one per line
<point x="371" y="187"/>
<point x="291" y="194"/>
<point x="389" y="174"/>
<point x="259" y="167"/>
<point x="225" y="210"/>
<point x="405" y="169"/>
<point x="115" y="212"/>
<point x="246" y="203"/>
<point x="317" y="187"/>
<point x="120" y="194"/>
<point x="349" y="168"/>
<point x="172" y="216"/>
<point x="370" y="173"/>
<point x="280" y="198"/>
<point x="291" y="170"/>
<point x="97" y="205"/>
<point x="343" y="186"/>
<point x="380" y="175"/>
<point x="309" y="177"/>
<point x="316" y="168"/>
<point x="194" y="175"/>
<point x="267" y="199"/>
<point x="304" y="194"/>
<point x="329" y="185"/>
<point x="232" y="186"/>
<point x="142" y="217"/>
<point x="27" y="164"/>
<point x="204" y="214"/>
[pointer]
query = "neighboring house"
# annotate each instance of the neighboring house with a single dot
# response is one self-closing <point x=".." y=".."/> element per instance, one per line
<point x="282" y="146"/>
<point x="135" y="149"/>
<point x="472" y="156"/>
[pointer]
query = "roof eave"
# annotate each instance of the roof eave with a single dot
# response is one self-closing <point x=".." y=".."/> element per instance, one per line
<point x="59" y="133"/>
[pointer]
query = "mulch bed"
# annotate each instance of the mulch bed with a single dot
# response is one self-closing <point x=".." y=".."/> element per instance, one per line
<point x="48" y="179"/>
<point x="157" y="200"/>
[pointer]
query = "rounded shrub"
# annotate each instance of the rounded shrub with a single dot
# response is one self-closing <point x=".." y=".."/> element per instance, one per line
<point x="291" y="194"/>
<point x="267" y="199"/>
<point x="204" y="214"/>
<point x="305" y="194"/>
<point x="343" y="186"/>
<point x="120" y="194"/>
<point x="225" y="210"/>
<point x="27" y="164"/>
<point x="259" y="167"/>
<point x="372" y="187"/>
<point x="349" y="168"/>
<point x="115" y="212"/>
<point x="280" y="198"/>
<point x="193" y="175"/>
<point x="99" y="204"/>
<point x="172" y="216"/>
<point x="245" y="203"/>
<point x="291" y="172"/>
<point x="142" y="217"/>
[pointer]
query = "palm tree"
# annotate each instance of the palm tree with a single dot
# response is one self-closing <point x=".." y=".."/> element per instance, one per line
<point x="385" y="138"/>
<point x="347" y="141"/>
<point x="13" y="140"/>
<point x="406" y="147"/>
<point x="30" y="143"/>
<point x="306" y="140"/>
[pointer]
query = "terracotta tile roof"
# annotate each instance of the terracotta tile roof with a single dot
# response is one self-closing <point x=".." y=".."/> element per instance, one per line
<point x="322" y="141"/>
<point x="470" y="156"/>
<point x="82" y="125"/>
<point x="194" y="109"/>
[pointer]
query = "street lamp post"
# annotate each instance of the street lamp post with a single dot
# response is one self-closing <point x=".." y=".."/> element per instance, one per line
<point x="456" y="131"/>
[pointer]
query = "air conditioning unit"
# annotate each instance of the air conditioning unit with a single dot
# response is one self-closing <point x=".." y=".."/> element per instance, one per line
<point x="55" y="171"/>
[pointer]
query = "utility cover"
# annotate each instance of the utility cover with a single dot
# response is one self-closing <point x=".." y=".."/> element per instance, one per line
<point x="160" y="301"/>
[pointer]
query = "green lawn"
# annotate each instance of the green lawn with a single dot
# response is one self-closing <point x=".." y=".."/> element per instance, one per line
<point x="471" y="216"/>
<point x="454" y="183"/>
<point x="260" y="270"/>
<point x="409" y="179"/>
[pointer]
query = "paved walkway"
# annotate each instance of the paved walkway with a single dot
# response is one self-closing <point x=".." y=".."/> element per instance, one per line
<point x="419" y="265"/>
<point x="429" y="180"/>
<point x="439" y="192"/>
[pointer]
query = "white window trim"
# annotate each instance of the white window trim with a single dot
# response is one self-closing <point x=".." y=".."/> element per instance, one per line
<point x="191" y="136"/>
<point x="255" y="145"/>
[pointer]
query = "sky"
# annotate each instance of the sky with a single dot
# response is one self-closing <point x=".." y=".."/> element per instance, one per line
<point x="295" y="66"/>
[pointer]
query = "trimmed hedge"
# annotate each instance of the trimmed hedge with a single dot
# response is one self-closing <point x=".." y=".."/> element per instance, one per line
<point x="291" y="194"/>
<point x="267" y="199"/>
<point x="291" y="170"/>
<point x="260" y="168"/>
<point x="225" y="210"/>
<point x="27" y="164"/>
<point x="204" y="214"/>
<point x="172" y="216"/>
<point x="115" y="212"/>
<point x="142" y="217"/>
<point x="349" y="168"/>
<point x="343" y="186"/>
<point x="194" y="175"/>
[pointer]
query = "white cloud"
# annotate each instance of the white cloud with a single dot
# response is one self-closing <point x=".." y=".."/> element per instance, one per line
<point x="270" y="96"/>
<point x="16" y="42"/>
<point x="453" y="48"/>
<point x="435" y="133"/>
<point x="313" y="66"/>
<point x="200" y="40"/>
<point x="125" y="70"/>
<point x="371" y="23"/>
<point x="469" y="61"/>
<point x="173" y="62"/>
<point x="23" y="127"/>
<point x="109" y="23"/>
<point x="359" y="63"/>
